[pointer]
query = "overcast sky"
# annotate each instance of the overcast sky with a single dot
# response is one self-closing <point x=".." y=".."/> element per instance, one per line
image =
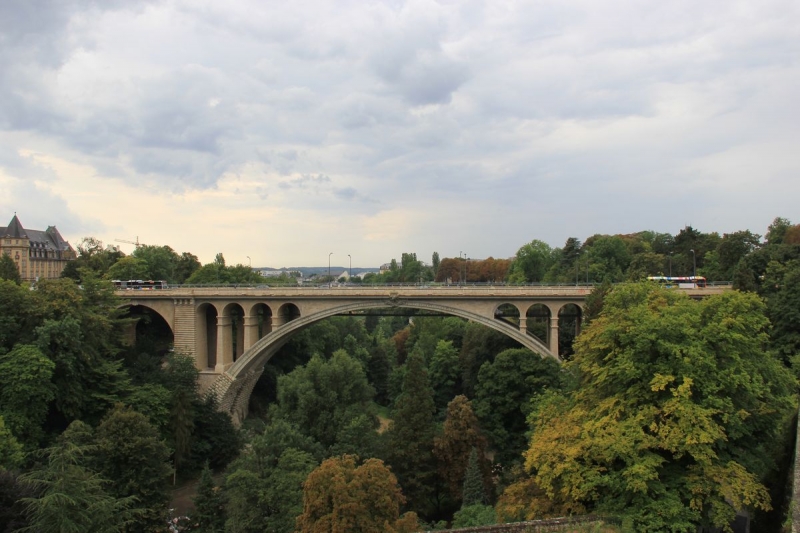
<point x="284" y="131"/>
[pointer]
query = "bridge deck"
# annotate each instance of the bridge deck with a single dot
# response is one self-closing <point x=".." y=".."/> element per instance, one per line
<point x="371" y="292"/>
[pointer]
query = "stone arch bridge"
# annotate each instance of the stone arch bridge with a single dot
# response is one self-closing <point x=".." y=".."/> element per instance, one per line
<point x="231" y="332"/>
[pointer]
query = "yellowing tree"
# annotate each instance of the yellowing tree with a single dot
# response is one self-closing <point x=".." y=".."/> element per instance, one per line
<point x="340" y="497"/>
<point x="676" y="418"/>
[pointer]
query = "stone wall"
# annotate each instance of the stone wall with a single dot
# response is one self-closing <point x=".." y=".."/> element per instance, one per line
<point x="536" y="526"/>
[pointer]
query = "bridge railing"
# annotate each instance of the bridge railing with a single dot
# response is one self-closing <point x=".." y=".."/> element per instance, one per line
<point x="432" y="285"/>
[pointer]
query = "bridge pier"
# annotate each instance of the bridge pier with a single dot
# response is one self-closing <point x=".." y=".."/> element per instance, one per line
<point x="554" y="335"/>
<point x="250" y="331"/>
<point x="224" y="344"/>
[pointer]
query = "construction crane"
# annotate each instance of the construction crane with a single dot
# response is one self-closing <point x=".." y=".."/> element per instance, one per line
<point x="135" y="243"/>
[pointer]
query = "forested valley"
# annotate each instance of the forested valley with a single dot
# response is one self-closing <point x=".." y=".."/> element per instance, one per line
<point x="669" y="414"/>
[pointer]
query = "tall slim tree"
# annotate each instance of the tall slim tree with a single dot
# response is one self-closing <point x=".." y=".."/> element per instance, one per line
<point x="410" y="437"/>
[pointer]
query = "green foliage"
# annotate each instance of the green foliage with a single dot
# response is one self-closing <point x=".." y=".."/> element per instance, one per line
<point x="264" y="488"/>
<point x="677" y="415"/>
<point x="72" y="497"/>
<point x="17" y="315"/>
<point x="131" y="454"/>
<point x="12" y="511"/>
<point x="777" y="230"/>
<point x="474" y="515"/>
<point x="325" y="396"/>
<point x="10" y="449"/>
<point x="410" y="437"/>
<point x="9" y="270"/>
<point x="93" y="259"/>
<point x="209" y="505"/>
<point x="472" y="491"/>
<point x="480" y="345"/>
<point x="460" y="439"/>
<point x="609" y="258"/>
<point x="129" y="267"/>
<point x="531" y="263"/>
<point x="25" y="392"/>
<point x="445" y="373"/>
<point x="214" y="439"/>
<point x="382" y="358"/>
<point x="217" y="273"/>
<point x="502" y="397"/>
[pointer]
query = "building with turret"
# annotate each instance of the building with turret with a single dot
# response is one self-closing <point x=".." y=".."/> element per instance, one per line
<point x="37" y="254"/>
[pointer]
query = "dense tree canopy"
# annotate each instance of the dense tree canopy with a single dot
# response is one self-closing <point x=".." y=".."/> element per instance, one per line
<point x="343" y="497"/>
<point x="676" y="416"/>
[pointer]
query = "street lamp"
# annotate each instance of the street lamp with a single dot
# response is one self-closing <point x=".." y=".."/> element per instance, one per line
<point x="329" y="266"/>
<point x="694" y="263"/>
<point x="249" y="262"/>
<point x="459" y="267"/>
<point x="350" y="275"/>
<point x="466" y="265"/>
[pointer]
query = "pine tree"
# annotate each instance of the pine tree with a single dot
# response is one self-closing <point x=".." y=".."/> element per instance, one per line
<point x="411" y="435"/>
<point x="72" y="497"/>
<point x="209" y="505"/>
<point x="472" y="490"/>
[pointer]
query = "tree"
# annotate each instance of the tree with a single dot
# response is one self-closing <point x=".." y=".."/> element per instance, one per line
<point x="186" y="265"/>
<point x="264" y="488"/>
<point x="9" y="270"/>
<point x="10" y="449"/>
<point x="181" y="378"/>
<point x="128" y="268"/>
<point x="461" y="437"/>
<point x="18" y="315"/>
<point x="677" y="414"/>
<point x="209" y="505"/>
<point x="324" y="396"/>
<point x="12" y="511"/>
<point x="93" y="257"/>
<point x="503" y="393"/>
<point x="531" y="263"/>
<point x="133" y="457"/>
<point x="72" y="497"/>
<point x="340" y="497"/>
<point x="25" y="392"/>
<point x="777" y="230"/>
<point x="160" y="260"/>
<point x="381" y="360"/>
<point x="410" y="436"/>
<point x="445" y="373"/>
<point x="435" y="263"/>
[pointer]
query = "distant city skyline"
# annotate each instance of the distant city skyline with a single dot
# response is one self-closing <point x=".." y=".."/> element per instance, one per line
<point x="277" y="133"/>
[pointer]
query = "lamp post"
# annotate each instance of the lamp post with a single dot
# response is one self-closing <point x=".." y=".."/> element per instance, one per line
<point x="350" y="272"/>
<point x="459" y="267"/>
<point x="694" y="263"/>
<point x="249" y="262"/>
<point x="329" y="266"/>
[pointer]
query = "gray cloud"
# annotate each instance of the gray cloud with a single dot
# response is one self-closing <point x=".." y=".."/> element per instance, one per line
<point x="455" y="109"/>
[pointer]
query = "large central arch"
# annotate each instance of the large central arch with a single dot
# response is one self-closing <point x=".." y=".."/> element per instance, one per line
<point x="233" y="388"/>
<point x="265" y="348"/>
